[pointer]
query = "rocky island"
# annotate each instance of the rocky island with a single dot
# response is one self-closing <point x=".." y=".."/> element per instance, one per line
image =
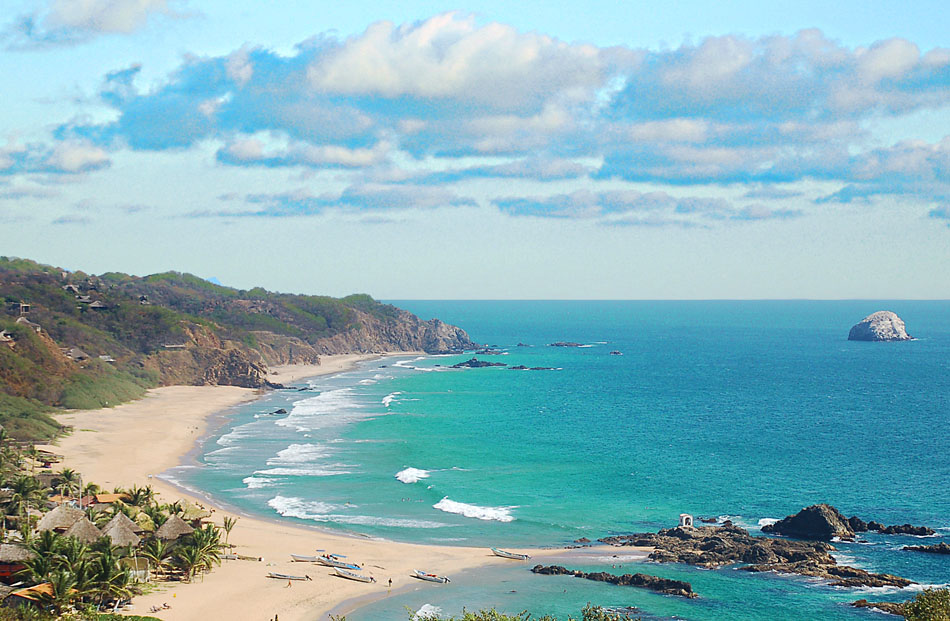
<point x="643" y="581"/>
<point x="880" y="326"/>
<point x="824" y="523"/>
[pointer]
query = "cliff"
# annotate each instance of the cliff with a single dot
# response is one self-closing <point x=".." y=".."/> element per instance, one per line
<point x="69" y="339"/>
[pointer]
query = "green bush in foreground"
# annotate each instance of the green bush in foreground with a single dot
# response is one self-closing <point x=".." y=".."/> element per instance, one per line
<point x="30" y="613"/>
<point x="929" y="605"/>
<point x="590" y="613"/>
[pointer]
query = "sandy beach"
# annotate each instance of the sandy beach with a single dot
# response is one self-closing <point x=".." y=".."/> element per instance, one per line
<point x="131" y="444"/>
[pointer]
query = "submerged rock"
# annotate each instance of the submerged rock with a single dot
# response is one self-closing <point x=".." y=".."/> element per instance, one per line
<point x="880" y="326"/>
<point x="643" y="581"/>
<point x="894" y="608"/>
<point x="564" y="344"/>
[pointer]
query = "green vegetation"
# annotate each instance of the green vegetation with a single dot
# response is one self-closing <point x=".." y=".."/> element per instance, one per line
<point x="929" y="605"/>
<point x="590" y="613"/>
<point x="96" y="341"/>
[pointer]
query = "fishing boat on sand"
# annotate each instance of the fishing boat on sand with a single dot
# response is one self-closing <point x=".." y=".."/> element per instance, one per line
<point x="303" y="558"/>
<point x="287" y="576"/>
<point x="333" y="560"/>
<point x="512" y="555"/>
<point x="353" y="576"/>
<point x="422" y="575"/>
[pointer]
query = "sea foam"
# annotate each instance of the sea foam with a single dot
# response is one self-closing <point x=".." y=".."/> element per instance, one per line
<point x="497" y="514"/>
<point x="318" y="511"/>
<point x="412" y="475"/>
<point x="388" y="399"/>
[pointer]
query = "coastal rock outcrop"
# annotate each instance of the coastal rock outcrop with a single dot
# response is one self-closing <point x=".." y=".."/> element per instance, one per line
<point x="564" y="344"/>
<point x="715" y="546"/>
<point x="939" y="548"/>
<point x="475" y="363"/>
<point x="643" y="581"/>
<point x="893" y="608"/>
<point x="822" y="522"/>
<point x="880" y="326"/>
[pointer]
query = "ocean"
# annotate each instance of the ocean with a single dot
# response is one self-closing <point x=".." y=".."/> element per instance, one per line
<point x="738" y="409"/>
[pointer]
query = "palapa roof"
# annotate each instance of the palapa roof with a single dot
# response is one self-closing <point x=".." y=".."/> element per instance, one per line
<point x="34" y="591"/>
<point x="121" y="518"/>
<point x="121" y="534"/>
<point x="84" y="531"/>
<point x="60" y="518"/>
<point x="173" y="528"/>
<point x="194" y="512"/>
<point x="108" y="499"/>
<point x="11" y="553"/>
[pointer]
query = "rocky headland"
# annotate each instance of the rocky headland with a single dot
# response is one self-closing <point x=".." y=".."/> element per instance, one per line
<point x="643" y="581"/>
<point x="880" y="326"/>
<point x="716" y="546"/>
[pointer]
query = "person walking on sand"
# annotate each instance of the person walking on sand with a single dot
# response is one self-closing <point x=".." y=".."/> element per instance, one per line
<point x="390" y="583"/>
<point x="290" y="583"/>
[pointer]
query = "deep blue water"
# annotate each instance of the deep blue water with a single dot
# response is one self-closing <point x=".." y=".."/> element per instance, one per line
<point x="747" y="409"/>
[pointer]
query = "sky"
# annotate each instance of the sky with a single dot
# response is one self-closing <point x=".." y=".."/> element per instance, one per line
<point x="486" y="150"/>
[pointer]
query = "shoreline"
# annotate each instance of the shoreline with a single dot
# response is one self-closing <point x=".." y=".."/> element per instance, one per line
<point x="134" y="443"/>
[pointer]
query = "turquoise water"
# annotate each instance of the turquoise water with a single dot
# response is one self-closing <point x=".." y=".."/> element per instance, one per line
<point x="746" y="409"/>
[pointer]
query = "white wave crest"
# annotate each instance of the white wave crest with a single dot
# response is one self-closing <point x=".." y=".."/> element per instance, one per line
<point x="388" y="399"/>
<point x="412" y="475"/>
<point x="767" y="522"/>
<point x="428" y="611"/>
<point x="330" y="470"/>
<point x="258" y="482"/>
<point x="298" y="454"/>
<point x="497" y="514"/>
<point x="318" y="511"/>
<point x="326" y="410"/>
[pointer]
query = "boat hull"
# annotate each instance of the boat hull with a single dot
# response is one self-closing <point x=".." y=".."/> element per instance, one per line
<point x="422" y="575"/>
<point x="510" y="555"/>
<point x="349" y="575"/>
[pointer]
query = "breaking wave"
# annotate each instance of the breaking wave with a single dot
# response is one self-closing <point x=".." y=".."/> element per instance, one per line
<point x="497" y="514"/>
<point x="412" y="475"/>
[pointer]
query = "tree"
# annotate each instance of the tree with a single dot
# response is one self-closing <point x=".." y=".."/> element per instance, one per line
<point x="62" y="592"/>
<point x="157" y="552"/>
<point x="25" y="491"/>
<point x="929" y="605"/>
<point x="68" y="480"/>
<point x="228" y="524"/>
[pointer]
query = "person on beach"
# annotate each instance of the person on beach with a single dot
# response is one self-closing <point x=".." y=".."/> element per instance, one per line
<point x="390" y="583"/>
<point x="290" y="583"/>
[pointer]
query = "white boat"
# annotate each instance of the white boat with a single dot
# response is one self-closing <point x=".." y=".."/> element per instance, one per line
<point x="353" y="576"/>
<point x="287" y="576"/>
<point x="333" y="560"/>
<point x="303" y="558"/>
<point x="512" y="555"/>
<point x="422" y="575"/>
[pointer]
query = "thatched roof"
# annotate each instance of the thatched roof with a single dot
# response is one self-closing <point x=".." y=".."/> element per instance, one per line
<point x="121" y="518"/>
<point x="11" y="553"/>
<point x="84" y="531"/>
<point x="121" y="534"/>
<point x="173" y="528"/>
<point x="193" y="512"/>
<point x="60" y="518"/>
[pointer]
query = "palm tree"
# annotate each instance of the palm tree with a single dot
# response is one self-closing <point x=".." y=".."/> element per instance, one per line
<point x="109" y="580"/>
<point x="140" y="496"/>
<point x="26" y="490"/>
<point x="228" y="524"/>
<point x="190" y="558"/>
<point x="68" y="481"/>
<point x="62" y="592"/>
<point x="157" y="552"/>
<point x="34" y="454"/>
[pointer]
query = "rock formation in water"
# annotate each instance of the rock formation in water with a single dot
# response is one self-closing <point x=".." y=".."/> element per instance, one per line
<point x="475" y="363"/>
<point x="643" y="581"/>
<point x="893" y="608"/>
<point x="823" y="522"/>
<point x="939" y="548"/>
<point x="715" y="546"/>
<point x="880" y="326"/>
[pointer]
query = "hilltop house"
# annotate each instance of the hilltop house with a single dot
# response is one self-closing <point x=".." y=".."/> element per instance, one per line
<point x="23" y="321"/>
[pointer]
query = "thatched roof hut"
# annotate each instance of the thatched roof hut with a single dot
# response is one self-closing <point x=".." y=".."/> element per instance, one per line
<point x="121" y="534"/>
<point x="84" y="531"/>
<point x="123" y="519"/>
<point x="12" y="553"/>
<point x="173" y="528"/>
<point x="193" y="513"/>
<point x="60" y="519"/>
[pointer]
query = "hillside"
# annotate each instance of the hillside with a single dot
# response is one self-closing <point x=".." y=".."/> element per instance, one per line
<point x="73" y="340"/>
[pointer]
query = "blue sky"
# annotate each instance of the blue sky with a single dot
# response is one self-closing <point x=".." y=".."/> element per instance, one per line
<point x="485" y="150"/>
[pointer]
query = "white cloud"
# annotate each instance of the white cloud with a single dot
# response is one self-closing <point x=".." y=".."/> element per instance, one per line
<point x="122" y="16"/>
<point x="74" y="157"/>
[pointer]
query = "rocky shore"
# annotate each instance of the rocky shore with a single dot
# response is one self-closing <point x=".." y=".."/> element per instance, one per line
<point x="643" y="581"/>
<point x="939" y="548"/>
<point x="716" y="546"/>
<point x="824" y="523"/>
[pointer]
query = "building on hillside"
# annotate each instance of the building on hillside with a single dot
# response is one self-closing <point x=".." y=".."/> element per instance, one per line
<point x="23" y="321"/>
<point x="76" y="355"/>
<point x="71" y="288"/>
<point x="6" y="337"/>
<point x="98" y="305"/>
<point x="20" y="308"/>
<point x="12" y="560"/>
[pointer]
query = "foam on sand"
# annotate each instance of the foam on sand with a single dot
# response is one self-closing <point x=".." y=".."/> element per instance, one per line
<point x="497" y="514"/>
<point x="412" y="475"/>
